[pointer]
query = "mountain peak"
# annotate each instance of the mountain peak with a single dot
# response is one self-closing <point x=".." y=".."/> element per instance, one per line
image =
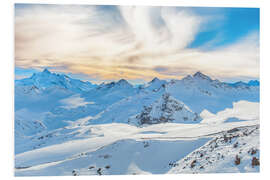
<point x="254" y="83"/>
<point x="46" y="80"/>
<point x="122" y="81"/>
<point x="201" y="76"/>
<point x="46" y="71"/>
<point x="154" y="80"/>
<point x="167" y="109"/>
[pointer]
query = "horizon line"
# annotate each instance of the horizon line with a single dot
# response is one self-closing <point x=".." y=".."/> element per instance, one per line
<point x="92" y="81"/>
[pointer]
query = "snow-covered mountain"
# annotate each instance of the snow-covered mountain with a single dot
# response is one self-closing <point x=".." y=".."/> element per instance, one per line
<point x="109" y="93"/>
<point x="61" y="99"/>
<point x="153" y="85"/>
<point x="122" y="83"/>
<point x="65" y="126"/>
<point x="243" y="84"/>
<point x="43" y="91"/>
<point x="47" y="80"/>
<point x="132" y="103"/>
<point x="200" y="92"/>
<point x="166" y="109"/>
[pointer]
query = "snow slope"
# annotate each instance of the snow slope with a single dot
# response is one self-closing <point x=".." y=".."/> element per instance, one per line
<point x="123" y="157"/>
<point x="65" y="126"/>
<point x="121" y="146"/>
<point x="81" y="147"/>
<point x="123" y="110"/>
<point x="107" y="94"/>
<point x="232" y="151"/>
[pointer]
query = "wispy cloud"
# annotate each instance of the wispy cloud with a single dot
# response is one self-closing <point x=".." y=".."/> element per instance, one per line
<point x="113" y="42"/>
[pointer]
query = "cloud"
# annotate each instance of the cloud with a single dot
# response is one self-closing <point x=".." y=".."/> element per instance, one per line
<point x="113" y="42"/>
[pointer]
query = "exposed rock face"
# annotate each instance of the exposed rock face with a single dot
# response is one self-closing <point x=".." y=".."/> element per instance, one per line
<point x="167" y="109"/>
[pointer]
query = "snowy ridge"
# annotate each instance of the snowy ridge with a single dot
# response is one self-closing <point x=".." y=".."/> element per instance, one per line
<point x="108" y="93"/>
<point x="122" y="83"/>
<point x="121" y="102"/>
<point x="200" y="92"/>
<point x="45" y="80"/>
<point x="129" y="104"/>
<point x="154" y="85"/>
<point x="166" y="109"/>
<point x="236" y="150"/>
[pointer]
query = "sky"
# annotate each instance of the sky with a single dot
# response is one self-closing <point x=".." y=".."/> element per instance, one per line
<point x="137" y="43"/>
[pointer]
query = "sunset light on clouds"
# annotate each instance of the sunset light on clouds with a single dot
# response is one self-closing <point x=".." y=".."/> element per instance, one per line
<point x="104" y="43"/>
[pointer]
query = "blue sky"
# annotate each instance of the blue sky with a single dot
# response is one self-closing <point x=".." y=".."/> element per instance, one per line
<point x="105" y="43"/>
<point x="237" y="23"/>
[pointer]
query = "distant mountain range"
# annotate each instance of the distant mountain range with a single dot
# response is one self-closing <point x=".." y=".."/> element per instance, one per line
<point x="46" y="79"/>
<point x="60" y="99"/>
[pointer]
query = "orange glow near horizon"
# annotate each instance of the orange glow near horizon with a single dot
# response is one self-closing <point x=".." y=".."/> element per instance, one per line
<point x="86" y="40"/>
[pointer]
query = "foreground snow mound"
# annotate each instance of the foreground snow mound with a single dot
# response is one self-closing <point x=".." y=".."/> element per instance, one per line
<point x="166" y="109"/>
<point x="236" y="150"/>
